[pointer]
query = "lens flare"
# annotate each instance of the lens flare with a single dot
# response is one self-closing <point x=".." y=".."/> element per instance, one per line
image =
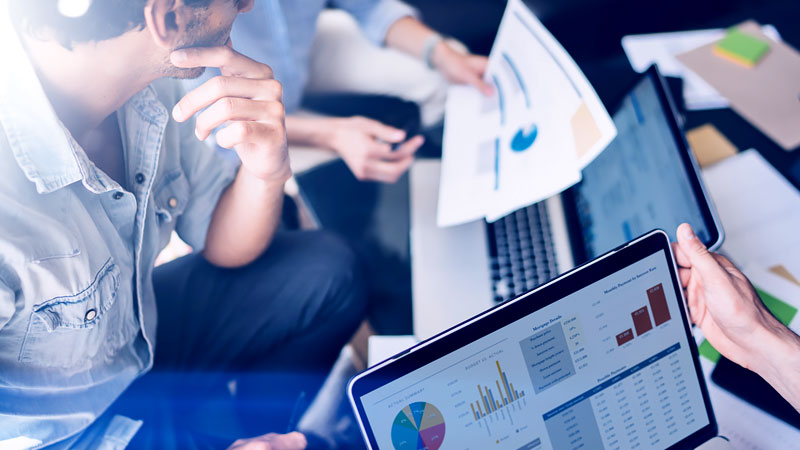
<point x="73" y="8"/>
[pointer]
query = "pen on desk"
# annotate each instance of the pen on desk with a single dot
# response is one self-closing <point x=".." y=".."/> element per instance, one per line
<point x="295" y="412"/>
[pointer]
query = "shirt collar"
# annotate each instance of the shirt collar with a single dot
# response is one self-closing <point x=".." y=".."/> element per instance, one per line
<point x="42" y="146"/>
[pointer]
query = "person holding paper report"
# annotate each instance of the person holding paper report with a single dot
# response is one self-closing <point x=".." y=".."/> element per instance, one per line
<point x="281" y="33"/>
<point x="723" y="303"/>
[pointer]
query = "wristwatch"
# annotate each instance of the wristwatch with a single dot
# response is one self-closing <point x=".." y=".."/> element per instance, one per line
<point x="428" y="49"/>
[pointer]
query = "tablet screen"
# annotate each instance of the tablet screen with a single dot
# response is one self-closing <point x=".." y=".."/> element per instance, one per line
<point x="641" y="181"/>
<point x="608" y="366"/>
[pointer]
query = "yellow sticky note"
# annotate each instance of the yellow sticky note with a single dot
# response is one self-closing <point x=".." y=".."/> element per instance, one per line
<point x="709" y="145"/>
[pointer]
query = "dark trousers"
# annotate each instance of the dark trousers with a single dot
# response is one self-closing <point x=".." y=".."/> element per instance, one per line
<point x="242" y="352"/>
<point x="358" y="211"/>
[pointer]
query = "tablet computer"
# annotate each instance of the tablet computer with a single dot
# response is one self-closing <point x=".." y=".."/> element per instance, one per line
<point x="601" y="357"/>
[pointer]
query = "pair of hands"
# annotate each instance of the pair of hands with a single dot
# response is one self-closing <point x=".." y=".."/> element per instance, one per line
<point x="366" y="145"/>
<point x="723" y="303"/>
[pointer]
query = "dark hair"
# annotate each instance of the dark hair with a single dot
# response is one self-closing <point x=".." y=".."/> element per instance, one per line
<point x="105" y="19"/>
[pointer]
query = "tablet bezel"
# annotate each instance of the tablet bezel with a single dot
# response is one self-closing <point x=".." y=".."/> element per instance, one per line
<point x="509" y="312"/>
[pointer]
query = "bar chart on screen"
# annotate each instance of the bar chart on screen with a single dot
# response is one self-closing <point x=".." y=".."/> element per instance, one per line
<point x="622" y="332"/>
<point x="491" y="400"/>
<point x="492" y="394"/>
<point x="642" y="323"/>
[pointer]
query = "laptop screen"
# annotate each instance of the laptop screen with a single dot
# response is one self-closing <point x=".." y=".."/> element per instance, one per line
<point x="640" y="181"/>
<point x="608" y="366"/>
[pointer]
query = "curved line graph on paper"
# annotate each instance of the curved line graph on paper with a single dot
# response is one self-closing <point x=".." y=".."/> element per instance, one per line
<point x="518" y="76"/>
<point x="524" y="138"/>
<point x="500" y="99"/>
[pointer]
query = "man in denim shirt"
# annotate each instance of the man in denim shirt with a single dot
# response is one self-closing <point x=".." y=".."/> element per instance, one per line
<point x="101" y="160"/>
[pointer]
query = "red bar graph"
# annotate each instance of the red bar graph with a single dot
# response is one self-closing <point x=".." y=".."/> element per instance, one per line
<point x="625" y="337"/>
<point x="658" y="304"/>
<point x="641" y="321"/>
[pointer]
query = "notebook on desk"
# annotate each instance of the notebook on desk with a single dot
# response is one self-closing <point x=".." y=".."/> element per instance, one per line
<point x="767" y="95"/>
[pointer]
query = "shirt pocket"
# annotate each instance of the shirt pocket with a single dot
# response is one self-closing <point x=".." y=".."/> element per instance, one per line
<point x="171" y="196"/>
<point x="71" y="330"/>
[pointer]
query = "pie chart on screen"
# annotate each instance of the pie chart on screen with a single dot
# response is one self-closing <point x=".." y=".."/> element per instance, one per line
<point x="418" y="426"/>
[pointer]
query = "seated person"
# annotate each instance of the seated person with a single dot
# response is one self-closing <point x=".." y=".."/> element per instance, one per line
<point x="100" y="163"/>
<point x="723" y="303"/>
<point x="281" y="33"/>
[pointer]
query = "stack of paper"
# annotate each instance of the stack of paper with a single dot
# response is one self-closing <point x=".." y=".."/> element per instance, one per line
<point x="644" y="50"/>
<point x="759" y="209"/>
<point x="531" y="139"/>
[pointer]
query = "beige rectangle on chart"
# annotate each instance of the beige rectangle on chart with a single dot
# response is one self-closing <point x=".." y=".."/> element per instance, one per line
<point x="585" y="130"/>
<point x="767" y="95"/>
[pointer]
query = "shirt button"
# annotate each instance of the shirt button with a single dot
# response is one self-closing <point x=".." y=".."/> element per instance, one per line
<point x="118" y="195"/>
<point x="173" y="202"/>
<point x="90" y="315"/>
<point x="140" y="178"/>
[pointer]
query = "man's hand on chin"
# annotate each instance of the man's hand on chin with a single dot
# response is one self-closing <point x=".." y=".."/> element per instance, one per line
<point x="246" y="99"/>
<point x="272" y="441"/>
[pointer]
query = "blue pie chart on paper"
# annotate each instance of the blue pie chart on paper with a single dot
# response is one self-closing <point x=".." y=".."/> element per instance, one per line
<point x="525" y="138"/>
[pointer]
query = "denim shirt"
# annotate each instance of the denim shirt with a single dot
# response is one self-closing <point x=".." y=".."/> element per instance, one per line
<point x="77" y="250"/>
<point x="280" y="33"/>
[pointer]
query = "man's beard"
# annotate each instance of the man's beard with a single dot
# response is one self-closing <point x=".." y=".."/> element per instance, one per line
<point x="196" y="40"/>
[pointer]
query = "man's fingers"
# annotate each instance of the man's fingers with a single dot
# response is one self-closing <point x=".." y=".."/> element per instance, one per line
<point x="219" y="87"/>
<point x="694" y="250"/>
<point x="227" y="59"/>
<point x="232" y="108"/>
<point x="406" y="149"/>
<point x="485" y="88"/>
<point x="379" y="150"/>
<point x="389" y="172"/>
<point x="680" y="257"/>
<point x="293" y="441"/>
<point x="383" y="132"/>
<point x="238" y="133"/>
<point x="478" y="63"/>
<point x="686" y="276"/>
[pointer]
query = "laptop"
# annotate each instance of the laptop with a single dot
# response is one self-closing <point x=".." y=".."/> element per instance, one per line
<point x="601" y="357"/>
<point x="646" y="179"/>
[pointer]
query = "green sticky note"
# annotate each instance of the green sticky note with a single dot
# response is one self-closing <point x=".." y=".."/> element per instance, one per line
<point x="782" y="311"/>
<point x="709" y="352"/>
<point x="742" y="48"/>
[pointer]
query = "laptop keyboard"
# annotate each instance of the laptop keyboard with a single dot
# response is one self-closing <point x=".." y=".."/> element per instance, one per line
<point x="522" y="255"/>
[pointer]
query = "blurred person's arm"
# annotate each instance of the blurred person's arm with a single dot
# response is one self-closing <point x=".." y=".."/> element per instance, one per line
<point x="412" y="36"/>
<point x="723" y="303"/>
<point x="395" y="24"/>
<point x="364" y="144"/>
